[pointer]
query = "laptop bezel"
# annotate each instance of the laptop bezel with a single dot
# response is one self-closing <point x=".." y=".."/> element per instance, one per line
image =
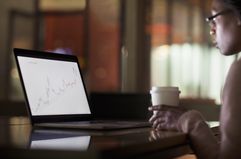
<point x="52" y="56"/>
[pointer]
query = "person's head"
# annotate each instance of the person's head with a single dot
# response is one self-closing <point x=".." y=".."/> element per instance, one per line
<point x="226" y="25"/>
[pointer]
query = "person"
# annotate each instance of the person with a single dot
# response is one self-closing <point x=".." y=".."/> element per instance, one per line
<point x="225" y="28"/>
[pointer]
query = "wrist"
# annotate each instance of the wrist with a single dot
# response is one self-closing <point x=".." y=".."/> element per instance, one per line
<point x="189" y="120"/>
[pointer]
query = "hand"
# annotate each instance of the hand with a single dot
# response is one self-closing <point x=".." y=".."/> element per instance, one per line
<point x="165" y="117"/>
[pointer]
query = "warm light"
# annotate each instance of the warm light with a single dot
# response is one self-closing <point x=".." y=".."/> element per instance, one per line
<point x="197" y="70"/>
<point x="53" y="5"/>
<point x="14" y="73"/>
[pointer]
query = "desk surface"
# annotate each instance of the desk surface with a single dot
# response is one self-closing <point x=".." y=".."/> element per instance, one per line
<point x="19" y="140"/>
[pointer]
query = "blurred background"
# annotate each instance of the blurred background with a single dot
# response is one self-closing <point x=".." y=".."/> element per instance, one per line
<point x="123" y="45"/>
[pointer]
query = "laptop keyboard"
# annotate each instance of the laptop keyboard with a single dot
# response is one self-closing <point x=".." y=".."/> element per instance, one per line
<point x="98" y="124"/>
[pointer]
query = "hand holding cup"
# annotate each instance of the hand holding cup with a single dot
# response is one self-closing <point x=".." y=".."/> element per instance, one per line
<point x="165" y="107"/>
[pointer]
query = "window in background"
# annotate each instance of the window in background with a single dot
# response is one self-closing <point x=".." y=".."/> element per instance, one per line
<point x="64" y="28"/>
<point x="55" y="26"/>
<point x="64" y="32"/>
<point x="89" y="29"/>
<point x="21" y="35"/>
<point x="104" y="45"/>
<point x="93" y="34"/>
<point x="181" y="52"/>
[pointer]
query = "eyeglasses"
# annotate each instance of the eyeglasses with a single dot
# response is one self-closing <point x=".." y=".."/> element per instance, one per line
<point x="211" y="19"/>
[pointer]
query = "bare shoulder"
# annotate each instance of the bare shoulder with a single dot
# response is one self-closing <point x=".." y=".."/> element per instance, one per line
<point x="232" y="91"/>
<point x="234" y="74"/>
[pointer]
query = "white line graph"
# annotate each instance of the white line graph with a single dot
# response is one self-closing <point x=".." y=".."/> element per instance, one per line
<point x="54" y="93"/>
<point x="53" y="87"/>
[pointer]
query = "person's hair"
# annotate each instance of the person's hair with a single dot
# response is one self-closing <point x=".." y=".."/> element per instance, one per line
<point x="235" y="5"/>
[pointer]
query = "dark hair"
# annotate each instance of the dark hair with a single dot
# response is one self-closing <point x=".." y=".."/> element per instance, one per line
<point x="235" y="5"/>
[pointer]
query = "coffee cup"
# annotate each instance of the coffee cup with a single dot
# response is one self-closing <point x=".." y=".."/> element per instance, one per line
<point x="165" y="96"/>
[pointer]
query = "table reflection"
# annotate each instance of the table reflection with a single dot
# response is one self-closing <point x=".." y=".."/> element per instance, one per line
<point x="18" y="139"/>
<point x="59" y="140"/>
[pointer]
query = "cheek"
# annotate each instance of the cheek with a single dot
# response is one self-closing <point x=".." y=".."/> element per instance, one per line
<point x="225" y="39"/>
<point x="221" y="39"/>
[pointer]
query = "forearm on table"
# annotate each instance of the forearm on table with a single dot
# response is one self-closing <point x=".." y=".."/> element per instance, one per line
<point x="202" y="140"/>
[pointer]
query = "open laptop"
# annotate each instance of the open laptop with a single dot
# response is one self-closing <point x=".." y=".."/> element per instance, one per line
<point x="55" y="93"/>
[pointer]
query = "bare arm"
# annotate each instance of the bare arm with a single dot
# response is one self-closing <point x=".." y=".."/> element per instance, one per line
<point x="201" y="137"/>
<point x="203" y="142"/>
<point x="231" y="114"/>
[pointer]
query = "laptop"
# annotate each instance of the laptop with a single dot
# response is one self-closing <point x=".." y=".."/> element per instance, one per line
<point x="55" y="92"/>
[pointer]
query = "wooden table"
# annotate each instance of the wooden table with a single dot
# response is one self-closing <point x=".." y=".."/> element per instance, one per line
<point x="19" y="140"/>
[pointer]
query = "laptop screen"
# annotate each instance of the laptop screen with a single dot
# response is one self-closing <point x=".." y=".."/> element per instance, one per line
<point x="52" y="86"/>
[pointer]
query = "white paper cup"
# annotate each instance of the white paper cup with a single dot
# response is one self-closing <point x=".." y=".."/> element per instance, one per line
<point x="165" y="95"/>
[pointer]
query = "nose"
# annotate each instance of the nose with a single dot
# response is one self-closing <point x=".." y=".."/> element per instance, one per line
<point x="212" y="30"/>
<point x="213" y="34"/>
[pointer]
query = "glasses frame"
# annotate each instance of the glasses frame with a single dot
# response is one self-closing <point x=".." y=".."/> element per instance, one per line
<point x="212" y="18"/>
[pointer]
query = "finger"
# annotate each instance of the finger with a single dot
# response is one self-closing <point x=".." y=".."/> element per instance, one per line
<point x="153" y="118"/>
<point x="162" y="107"/>
<point x="154" y="123"/>
<point x="161" y="126"/>
<point x="154" y="107"/>
<point x="156" y="115"/>
<point x="157" y="122"/>
<point x="164" y="126"/>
